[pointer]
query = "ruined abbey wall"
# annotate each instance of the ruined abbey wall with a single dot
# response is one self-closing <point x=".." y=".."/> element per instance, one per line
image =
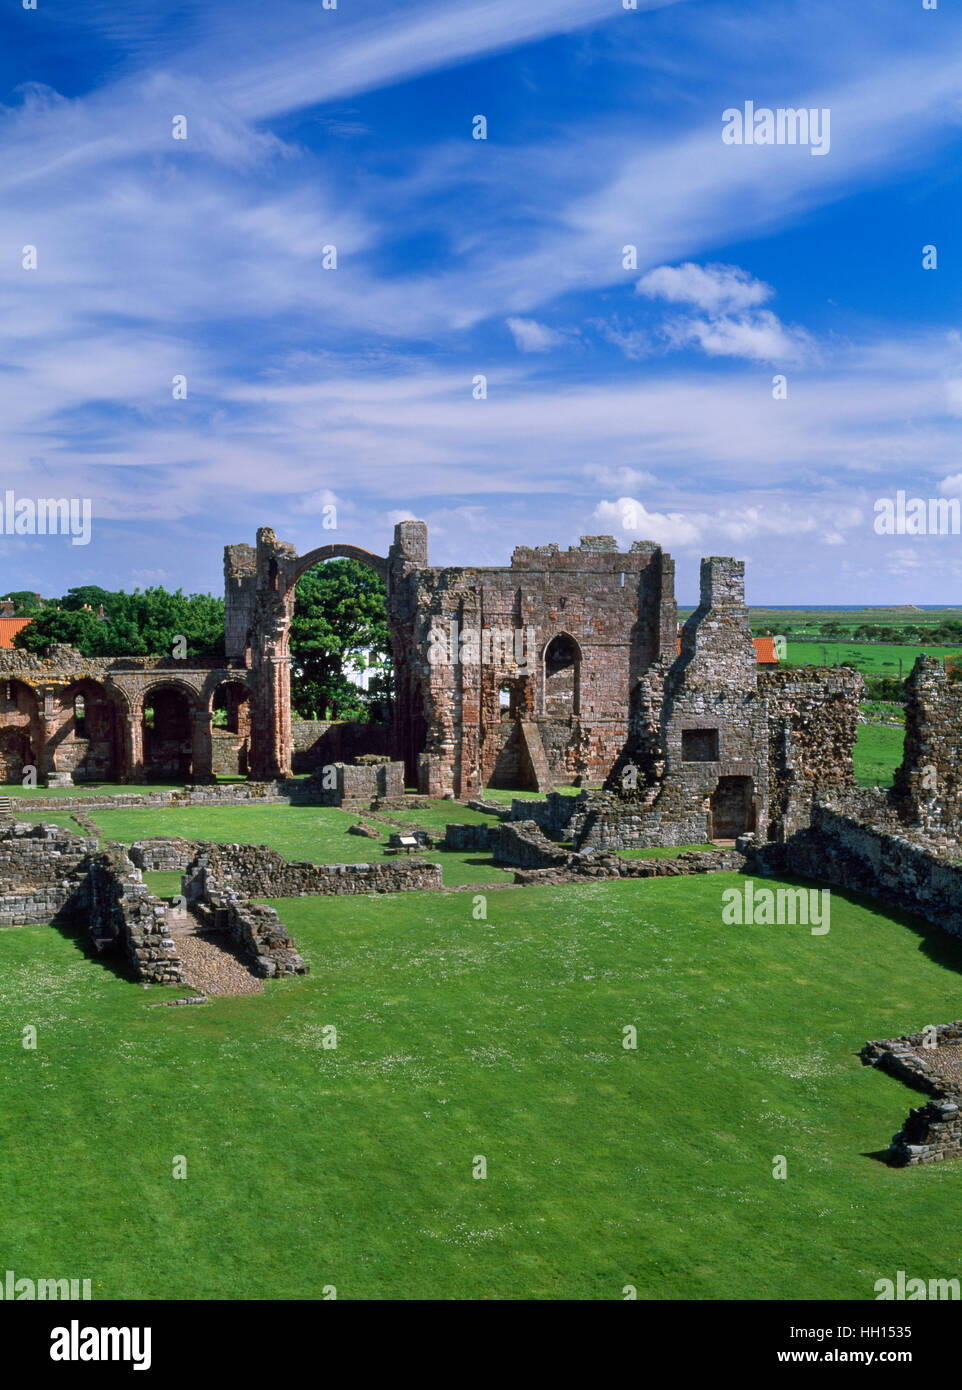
<point x="560" y="668"/>
<point x="928" y="785"/>
<point x="508" y="675"/>
<point x="73" y="718"/>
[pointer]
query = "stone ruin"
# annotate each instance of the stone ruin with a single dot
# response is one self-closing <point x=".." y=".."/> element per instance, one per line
<point x="48" y="874"/>
<point x="563" y="667"/>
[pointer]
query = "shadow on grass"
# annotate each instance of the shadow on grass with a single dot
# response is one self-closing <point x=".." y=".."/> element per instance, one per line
<point x="941" y="948"/>
<point x="883" y="1156"/>
<point x="78" y="934"/>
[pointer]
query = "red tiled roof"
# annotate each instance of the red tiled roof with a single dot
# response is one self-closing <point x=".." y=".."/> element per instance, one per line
<point x="9" y="627"/>
<point x="765" y="652"/>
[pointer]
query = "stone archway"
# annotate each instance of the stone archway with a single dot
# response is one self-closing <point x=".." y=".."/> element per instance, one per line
<point x="277" y="569"/>
<point x="562" y="677"/>
<point x="87" y="742"/>
<point x="230" y="711"/>
<point x="21" y="729"/>
<point x="168" y="722"/>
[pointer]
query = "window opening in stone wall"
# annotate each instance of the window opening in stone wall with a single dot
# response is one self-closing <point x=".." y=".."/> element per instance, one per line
<point x="699" y="746"/>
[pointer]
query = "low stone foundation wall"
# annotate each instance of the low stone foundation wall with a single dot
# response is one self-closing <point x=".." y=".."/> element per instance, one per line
<point x="164" y="855"/>
<point x="222" y="794"/>
<point x="42" y="869"/>
<point x="609" y="822"/>
<point x="555" y="814"/>
<point x="467" y="837"/>
<point x="255" y="928"/>
<point x="258" y="872"/>
<point x="126" y="918"/>
<point x="930" y="1061"/>
<point x="360" y="784"/>
<point x="489" y="808"/>
<point x="860" y="845"/>
<point x="579" y="867"/>
<point x="524" y="844"/>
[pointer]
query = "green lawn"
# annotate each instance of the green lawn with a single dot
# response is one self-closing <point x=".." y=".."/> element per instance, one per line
<point x="500" y="1038"/>
<point x="877" y="754"/>
<point x="874" y="658"/>
<point x="63" y="818"/>
<point x="164" y="883"/>
<point x="318" y="834"/>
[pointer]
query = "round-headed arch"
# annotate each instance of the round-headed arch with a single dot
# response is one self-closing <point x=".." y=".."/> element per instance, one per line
<point x="378" y="563"/>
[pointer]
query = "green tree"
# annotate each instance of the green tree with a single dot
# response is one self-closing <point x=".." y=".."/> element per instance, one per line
<point x="144" y="623"/>
<point x="25" y="603"/>
<point x="339" y="608"/>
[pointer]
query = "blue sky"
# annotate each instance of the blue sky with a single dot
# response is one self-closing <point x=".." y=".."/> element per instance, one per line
<point x="636" y="402"/>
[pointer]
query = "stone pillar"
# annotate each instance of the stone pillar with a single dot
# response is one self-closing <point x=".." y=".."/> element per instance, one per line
<point x="280" y="714"/>
<point x="270" y="658"/>
<point x="201" y="749"/>
<point x="133" y="762"/>
<point x="48" y="731"/>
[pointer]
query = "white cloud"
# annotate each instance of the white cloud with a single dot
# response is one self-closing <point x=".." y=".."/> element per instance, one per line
<point x="758" y="337"/>
<point x="734" y="325"/>
<point x="531" y="336"/>
<point x="623" y="478"/>
<point x="667" y="528"/>
<point x="712" y="288"/>
<point x="315" y="502"/>
<point x="736" y="524"/>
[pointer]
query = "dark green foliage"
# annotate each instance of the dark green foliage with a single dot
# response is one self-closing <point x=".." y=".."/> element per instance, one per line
<point x="339" y="608"/>
<point x="144" y="623"/>
<point x="25" y="603"/>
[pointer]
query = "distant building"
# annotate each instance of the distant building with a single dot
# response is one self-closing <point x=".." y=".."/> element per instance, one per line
<point x="765" y="653"/>
<point x="359" y="667"/>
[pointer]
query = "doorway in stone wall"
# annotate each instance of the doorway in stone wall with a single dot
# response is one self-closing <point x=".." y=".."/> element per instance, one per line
<point x="732" y="807"/>
<point x="15" y="754"/>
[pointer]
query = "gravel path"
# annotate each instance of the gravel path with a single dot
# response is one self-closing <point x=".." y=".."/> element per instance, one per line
<point x="945" y="1062"/>
<point x="210" y="961"/>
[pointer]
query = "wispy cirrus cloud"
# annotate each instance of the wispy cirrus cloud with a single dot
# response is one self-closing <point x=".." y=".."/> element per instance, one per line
<point x="311" y="128"/>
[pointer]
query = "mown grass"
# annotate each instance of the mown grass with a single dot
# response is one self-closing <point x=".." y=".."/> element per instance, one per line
<point x="499" y="1038"/>
<point x="877" y="753"/>
<point x="317" y="834"/>
<point x="874" y="658"/>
